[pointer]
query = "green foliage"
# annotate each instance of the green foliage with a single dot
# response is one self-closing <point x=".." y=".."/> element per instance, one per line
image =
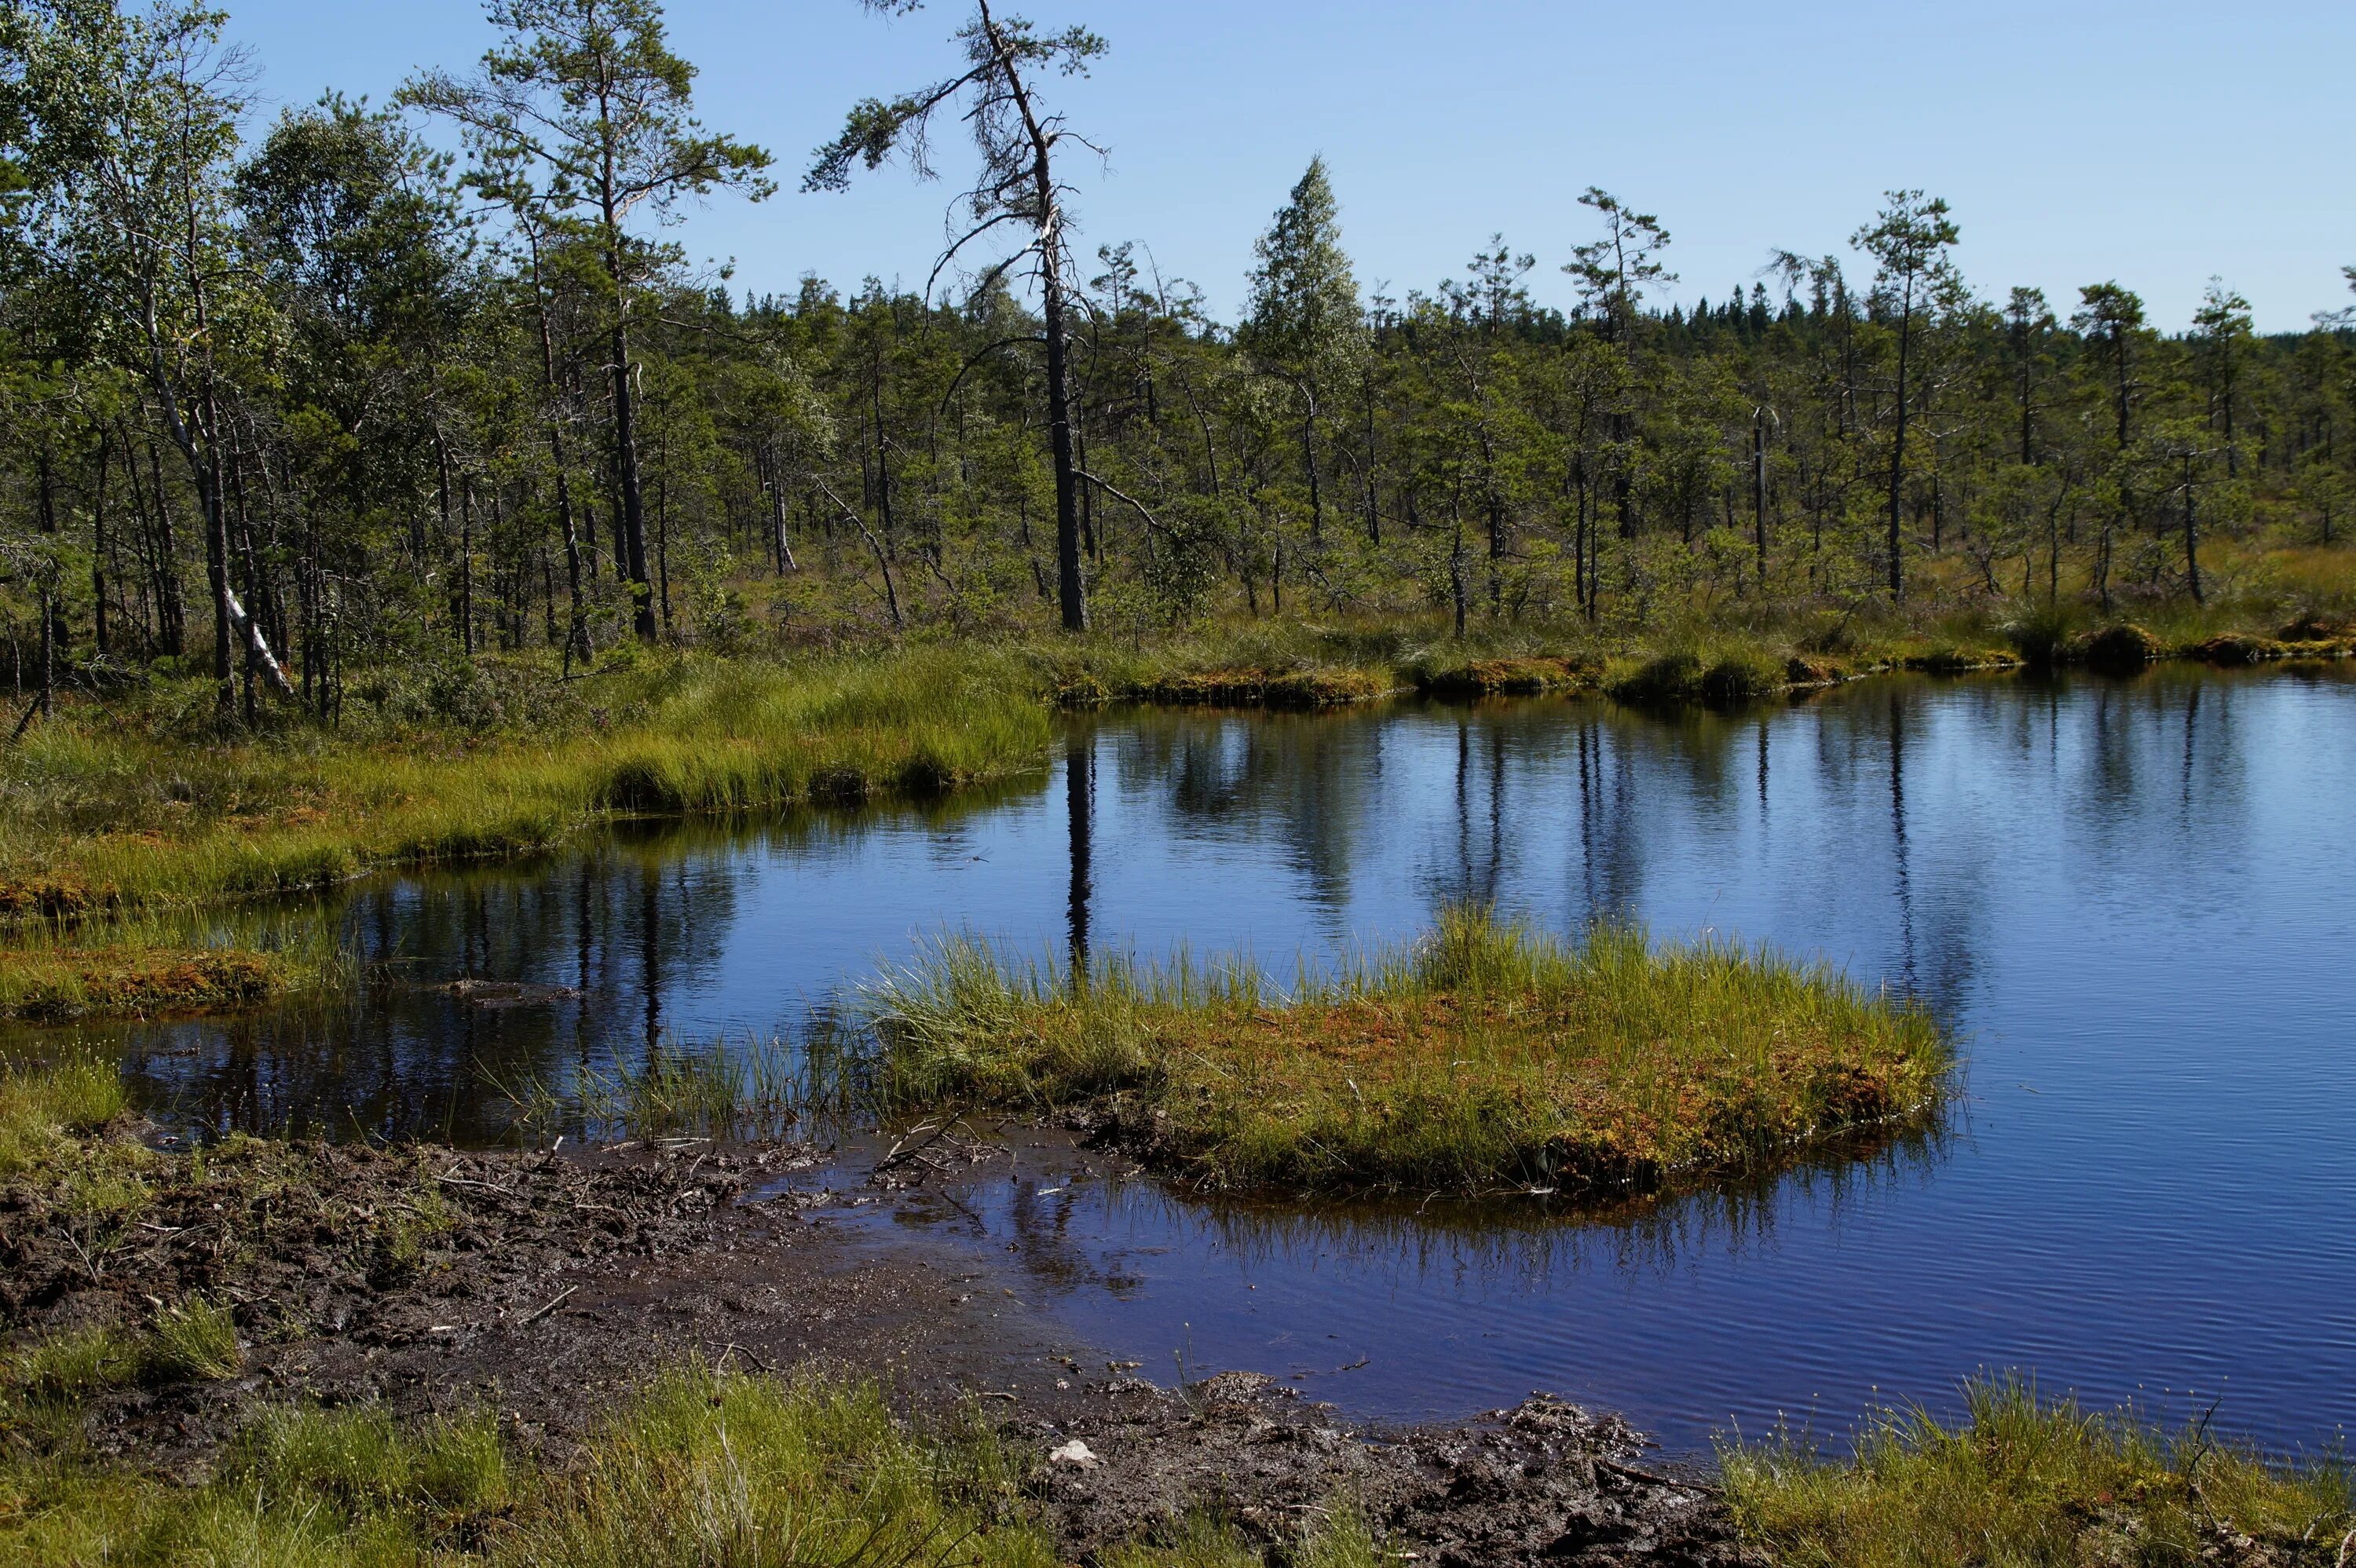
<point x="435" y="439"/>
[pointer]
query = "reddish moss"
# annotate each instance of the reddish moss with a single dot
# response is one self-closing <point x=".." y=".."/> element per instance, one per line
<point x="119" y="981"/>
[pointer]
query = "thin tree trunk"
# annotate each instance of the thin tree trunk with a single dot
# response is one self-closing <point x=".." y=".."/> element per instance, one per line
<point x="1071" y="588"/>
<point x="1759" y="490"/>
<point x="1898" y="448"/>
<point x="576" y="635"/>
<point x="2192" y="537"/>
<point x="98" y="548"/>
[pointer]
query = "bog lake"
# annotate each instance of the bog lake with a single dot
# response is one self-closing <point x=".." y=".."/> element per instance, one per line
<point x="2134" y="902"/>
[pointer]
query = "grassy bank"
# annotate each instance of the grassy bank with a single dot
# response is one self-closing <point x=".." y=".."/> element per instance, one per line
<point x="1302" y="664"/>
<point x="146" y="969"/>
<point x="1485" y="1058"/>
<point x="2030" y="1481"/>
<point x="102" y="814"/>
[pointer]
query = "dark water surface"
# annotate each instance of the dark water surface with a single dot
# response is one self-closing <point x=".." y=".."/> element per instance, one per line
<point x="2133" y="901"/>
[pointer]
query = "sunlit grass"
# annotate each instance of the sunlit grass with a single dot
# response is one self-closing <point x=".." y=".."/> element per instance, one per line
<point x="44" y="1107"/>
<point x="1487" y="1057"/>
<point x="2023" y="1482"/>
<point x="700" y="1467"/>
<point x="99" y="817"/>
<point x="146" y="966"/>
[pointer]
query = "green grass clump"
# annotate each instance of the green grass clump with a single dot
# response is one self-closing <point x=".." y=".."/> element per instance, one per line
<point x="711" y="1467"/>
<point x="1674" y="677"/>
<point x="362" y="1462"/>
<point x="43" y="1108"/>
<point x="73" y="1366"/>
<point x="722" y="1090"/>
<point x="300" y="1488"/>
<point x="2026" y="1482"/>
<point x="2120" y="649"/>
<point x="192" y="1341"/>
<point x="1484" y="1058"/>
<point x="1720" y="677"/>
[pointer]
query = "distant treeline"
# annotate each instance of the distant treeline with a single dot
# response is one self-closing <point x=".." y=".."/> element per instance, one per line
<point x="281" y="400"/>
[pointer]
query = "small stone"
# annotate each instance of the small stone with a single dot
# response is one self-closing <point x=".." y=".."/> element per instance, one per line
<point x="1074" y="1453"/>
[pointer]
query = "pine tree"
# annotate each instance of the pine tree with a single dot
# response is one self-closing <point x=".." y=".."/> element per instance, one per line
<point x="1305" y="327"/>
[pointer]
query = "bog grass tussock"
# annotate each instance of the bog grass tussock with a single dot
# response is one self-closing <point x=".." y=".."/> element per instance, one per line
<point x="1486" y="1057"/>
<point x="2027" y="1480"/>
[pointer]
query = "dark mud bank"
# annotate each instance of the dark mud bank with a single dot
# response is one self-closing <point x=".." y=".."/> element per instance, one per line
<point x="545" y="1284"/>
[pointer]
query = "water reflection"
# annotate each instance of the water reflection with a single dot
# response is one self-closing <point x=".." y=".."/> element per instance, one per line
<point x="2129" y="900"/>
<point x="1079" y="791"/>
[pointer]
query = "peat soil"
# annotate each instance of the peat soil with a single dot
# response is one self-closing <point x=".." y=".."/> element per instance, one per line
<point x="550" y="1283"/>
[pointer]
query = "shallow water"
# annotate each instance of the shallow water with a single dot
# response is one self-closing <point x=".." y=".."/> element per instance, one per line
<point x="2131" y="900"/>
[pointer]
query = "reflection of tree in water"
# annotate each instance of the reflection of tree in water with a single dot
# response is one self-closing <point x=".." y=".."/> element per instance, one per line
<point x="1468" y="863"/>
<point x="1306" y="784"/>
<point x="580" y="952"/>
<point x="1080" y="812"/>
<point x="586" y="953"/>
<point x="2162" y="778"/>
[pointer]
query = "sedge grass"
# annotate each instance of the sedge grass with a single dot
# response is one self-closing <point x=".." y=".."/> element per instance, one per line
<point x="1487" y="1057"/>
<point x="699" y="1467"/>
<point x="760" y="1087"/>
<point x="46" y="1109"/>
<point x="2024" y="1481"/>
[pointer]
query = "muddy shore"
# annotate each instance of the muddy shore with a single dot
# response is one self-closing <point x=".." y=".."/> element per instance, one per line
<point x="549" y="1283"/>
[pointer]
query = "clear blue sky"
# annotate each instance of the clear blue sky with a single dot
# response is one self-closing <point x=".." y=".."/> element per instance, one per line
<point x="2078" y="140"/>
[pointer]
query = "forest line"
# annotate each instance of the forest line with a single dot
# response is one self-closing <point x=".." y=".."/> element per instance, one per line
<point x="291" y="403"/>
